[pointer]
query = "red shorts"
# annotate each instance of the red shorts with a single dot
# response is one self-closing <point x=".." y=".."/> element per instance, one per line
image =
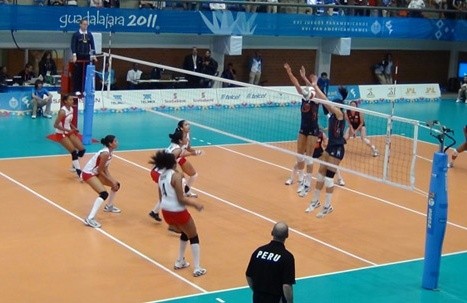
<point x="155" y="175"/>
<point x="86" y="176"/>
<point x="181" y="161"/>
<point x="176" y="218"/>
<point x="57" y="137"/>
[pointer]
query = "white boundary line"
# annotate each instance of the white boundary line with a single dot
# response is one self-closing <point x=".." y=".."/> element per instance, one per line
<point x="262" y="217"/>
<point x="344" y="187"/>
<point x="103" y="232"/>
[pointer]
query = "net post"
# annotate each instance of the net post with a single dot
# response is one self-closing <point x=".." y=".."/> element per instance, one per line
<point x="435" y="221"/>
<point x="88" y="104"/>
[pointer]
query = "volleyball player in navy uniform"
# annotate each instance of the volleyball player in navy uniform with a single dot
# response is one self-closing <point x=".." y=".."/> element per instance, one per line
<point x="333" y="154"/>
<point x="356" y="122"/>
<point x="308" y="134"/>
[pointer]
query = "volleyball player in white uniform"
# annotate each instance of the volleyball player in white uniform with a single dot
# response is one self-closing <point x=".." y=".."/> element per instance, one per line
<point x="65" y="132"/>
<point x="187" y="150"/>
<point x="181" y="148"/>
<point x="174" y="203"/>
<point x="96" y="174"/>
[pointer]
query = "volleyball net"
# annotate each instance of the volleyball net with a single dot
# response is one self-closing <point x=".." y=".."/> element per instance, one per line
<point x="264" y="116"/>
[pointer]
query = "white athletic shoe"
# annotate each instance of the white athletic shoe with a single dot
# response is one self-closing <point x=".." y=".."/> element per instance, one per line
<point x="375" y="153"/>
<point x="92" y="223"/>
<point x="289" y="181"/>
<point x="304" y="191"/>
<point x="198" y="272"/>
<point x="313" y="205"/>
<point x="112" y="209"/>
<point x="179" y="264"/>
<point x="325" y="211"/>
<point x="450" y="164"/>
<point x="191" y="194"/>
<point x="340" y="182"/>
<point x="300" y="187"/>
<point x="458" y="101"/>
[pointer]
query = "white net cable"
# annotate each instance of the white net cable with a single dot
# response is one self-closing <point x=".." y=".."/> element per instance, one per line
<point x="271" y="119"/>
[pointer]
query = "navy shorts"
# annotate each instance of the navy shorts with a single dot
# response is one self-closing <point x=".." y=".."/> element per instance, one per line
<point x="336" y="151"/>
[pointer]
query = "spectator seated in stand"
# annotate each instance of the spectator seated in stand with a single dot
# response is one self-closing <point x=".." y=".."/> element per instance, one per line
<point x="133" y="76"/>
<point x="112" y="3"/>
<point x="96" y="3"/>
<point x="148" y="4"/>
<point x="62" y="2"/>
<point x="27" y="74"/>
<point x="418" y="5"/>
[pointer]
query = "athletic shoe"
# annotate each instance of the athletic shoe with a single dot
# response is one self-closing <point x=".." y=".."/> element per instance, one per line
<point x="48" y="116"/>
<point x="181" y="264"/>
<point x="375" y="153"/>
<point x="304" y="191"/>
<point x="340" y="182"/>
<point x="450" y="164"/>
<point x="325" y="211"/>
<point x="313" y="205"/>
<point x="92" y="223"/>
<point x="155" y="216"/>
<point x="33" y="116"/>
<point x="191" y="194"/>
<point x="289" y="181"/>
<point x="458" y="100"/>
<point x="111" y="209"/>
<point x="300" y="186"/>
<point x="72" y="169"/>
<point x="199" y="272"/>
<point x="174" y="230"/>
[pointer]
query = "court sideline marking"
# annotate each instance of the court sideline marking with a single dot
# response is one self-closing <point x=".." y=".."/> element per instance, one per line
<point x="261" y="216"/>
<point x="342" y="187"/>
<point x="103" y="232"/>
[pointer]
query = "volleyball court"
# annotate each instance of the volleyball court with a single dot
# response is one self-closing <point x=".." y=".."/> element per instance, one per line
<point x="241" y="184"/>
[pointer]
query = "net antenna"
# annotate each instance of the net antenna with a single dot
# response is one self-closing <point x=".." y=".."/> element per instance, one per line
<point x="269" y="117"/>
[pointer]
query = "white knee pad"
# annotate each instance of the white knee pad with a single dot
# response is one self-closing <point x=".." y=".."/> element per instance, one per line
<point x="319" y="178"/>
<point x="328" y="182"/>
<point x="300" y="158"/>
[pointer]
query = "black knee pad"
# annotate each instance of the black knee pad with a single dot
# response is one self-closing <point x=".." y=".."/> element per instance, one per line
<point x="194" y="240"/>
<point x="330" y="174"/>
<point x="74" y="155"/>
<point x="104" y="195"/>
<point x="81" y="153"/>
<point x="183" y="237"/>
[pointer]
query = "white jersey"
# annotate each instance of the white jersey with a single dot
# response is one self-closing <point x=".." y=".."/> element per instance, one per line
<point x="184" y="147"/>
<point x="172" y="147"/>
<point x="169" y="201"/>
<point x="93" y="164"/>
<point x="65" y="122"/>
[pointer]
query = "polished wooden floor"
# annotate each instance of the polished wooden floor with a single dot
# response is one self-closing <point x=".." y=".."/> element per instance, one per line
<point x="49" y="255"/>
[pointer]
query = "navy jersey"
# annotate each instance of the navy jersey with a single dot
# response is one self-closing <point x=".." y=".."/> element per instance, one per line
<point x="335" y="131"/>
<point x="309" y="124"/>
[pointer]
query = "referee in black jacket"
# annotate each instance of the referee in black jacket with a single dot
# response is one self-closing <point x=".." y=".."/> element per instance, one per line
<point x="271" y="271"/>
<point x="83" y="48"/>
